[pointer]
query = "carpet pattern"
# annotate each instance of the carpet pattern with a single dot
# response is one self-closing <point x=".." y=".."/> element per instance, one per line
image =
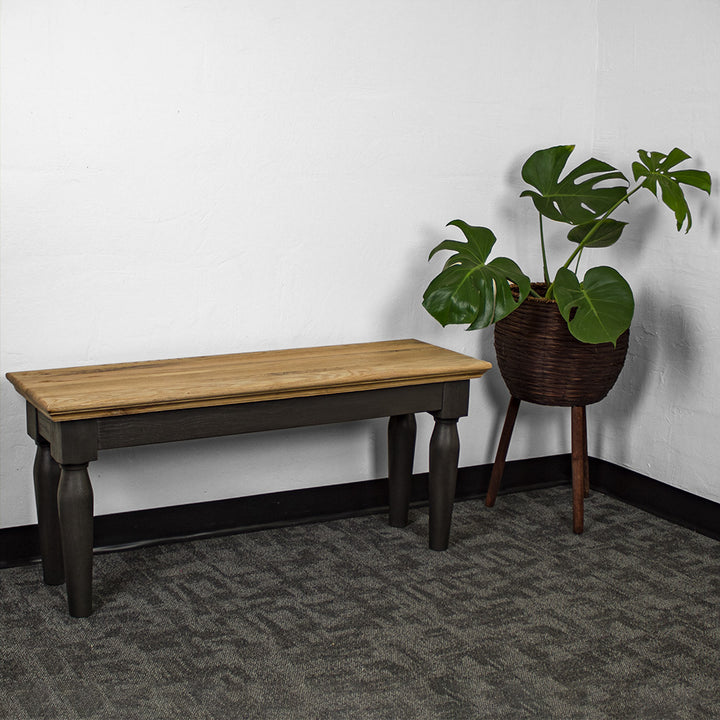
<point x="353" y="619"/>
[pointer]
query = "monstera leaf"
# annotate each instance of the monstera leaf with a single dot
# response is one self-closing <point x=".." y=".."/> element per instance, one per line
<point x="577" y="198"/>
<point x="603" y="304"/>
<point x="608" y="232"/>
<point x="657" y="169"/>
<point x="469" y="290"/>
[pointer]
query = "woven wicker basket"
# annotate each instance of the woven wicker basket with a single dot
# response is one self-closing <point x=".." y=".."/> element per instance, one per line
<point x="541" y="362"/>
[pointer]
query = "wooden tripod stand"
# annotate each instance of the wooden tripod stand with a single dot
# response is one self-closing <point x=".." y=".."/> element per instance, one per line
<point x="580" y="473"/>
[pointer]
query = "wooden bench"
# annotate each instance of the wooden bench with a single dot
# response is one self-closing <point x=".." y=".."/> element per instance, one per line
<point x="72" y="413"/>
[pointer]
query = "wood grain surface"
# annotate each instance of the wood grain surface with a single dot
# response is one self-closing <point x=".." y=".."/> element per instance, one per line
<point x="129" y="388"/>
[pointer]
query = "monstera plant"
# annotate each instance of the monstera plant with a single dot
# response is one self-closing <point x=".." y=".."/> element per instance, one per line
<point x="597" y="308"/>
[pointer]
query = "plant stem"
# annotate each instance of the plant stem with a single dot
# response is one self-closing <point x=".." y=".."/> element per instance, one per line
<point x="577" y="264"/>
<point x="582" y="245"/>
<point x="597" y="225"/>
<point x="546" y="274"/>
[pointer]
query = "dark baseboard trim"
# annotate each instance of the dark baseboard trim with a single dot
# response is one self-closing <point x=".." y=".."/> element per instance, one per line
<point x="670" y="503"/>
<point x="120" y="531"/>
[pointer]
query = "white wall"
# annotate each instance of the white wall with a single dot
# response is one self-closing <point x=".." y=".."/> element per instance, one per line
<point x="658" y="88"/>
<point x="212" y="176"/>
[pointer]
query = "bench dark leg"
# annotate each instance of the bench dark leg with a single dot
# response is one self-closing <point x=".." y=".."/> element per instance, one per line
<point x="444" y="453"/>
<point x="75" y="506"/>
<point x="402" y="430"/>
<point x="46" y="474"/>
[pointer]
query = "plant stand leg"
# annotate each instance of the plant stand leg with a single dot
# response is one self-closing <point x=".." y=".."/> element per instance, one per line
<point x="579" y="465"/>
<point x="402" y="430"/>
<point x="586" y="463"/>
<point x="499" y="464"/>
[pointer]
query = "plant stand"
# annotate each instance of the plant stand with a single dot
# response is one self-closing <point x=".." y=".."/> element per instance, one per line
<point x="580" y="472"/>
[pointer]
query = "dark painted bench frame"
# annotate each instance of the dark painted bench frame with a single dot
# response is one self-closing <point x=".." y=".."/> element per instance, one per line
<point x="64" y="494"/>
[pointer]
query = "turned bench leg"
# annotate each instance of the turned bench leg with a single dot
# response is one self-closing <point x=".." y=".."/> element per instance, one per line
<point x="46" y="476"/>
<point x="402" y="431"/>
<point x="75" y="509"/>
<point x="444" y="454"/>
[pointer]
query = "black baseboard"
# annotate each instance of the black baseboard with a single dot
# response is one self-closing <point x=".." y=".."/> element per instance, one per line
<point x="671" y="503"/>
<point x="19" y="545"/>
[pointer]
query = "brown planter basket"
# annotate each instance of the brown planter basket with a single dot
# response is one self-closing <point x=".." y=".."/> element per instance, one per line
<point x="541" y="362"/>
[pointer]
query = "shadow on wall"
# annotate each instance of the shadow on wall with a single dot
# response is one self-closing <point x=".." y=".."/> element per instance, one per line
<point x="496" y="394"/>
<point x="539" y="430"/>
<point x="402" y="319"/>
<point x="405" y="312"/>
<point x="406" y="317"/>
<point x="229" y="467"/>
<point x="663" y="348"/>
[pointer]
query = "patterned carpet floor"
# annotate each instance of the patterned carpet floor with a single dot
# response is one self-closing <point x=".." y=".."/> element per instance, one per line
<point x="353" y="619"/>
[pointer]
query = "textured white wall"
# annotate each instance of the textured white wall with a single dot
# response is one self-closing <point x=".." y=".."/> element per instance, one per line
<point x="211" y="176"/>
<point x="658" y="88"/>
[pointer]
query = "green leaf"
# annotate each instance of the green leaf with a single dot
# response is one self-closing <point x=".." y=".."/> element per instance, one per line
<point x="603" y="304"/>
<point x="470" y="291"/>
<point x="497" y="300"/>
<point x="650" y="182"/>
<point x="697" y="178"/>
<point x="673" y="158"/>
<point x="608" y="233"/>
<point x="673" y="196"/>
<point x="480" y="241"/>
<point x="579" y="197"/>
<point x="655" y="169"/>
<point x="461" y="249"/>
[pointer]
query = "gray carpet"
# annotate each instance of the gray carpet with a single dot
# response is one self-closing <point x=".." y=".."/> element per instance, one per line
<point x="354" y="619"/>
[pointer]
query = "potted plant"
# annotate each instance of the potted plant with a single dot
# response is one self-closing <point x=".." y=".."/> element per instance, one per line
<point x="561" y="341"/>
<point x="596" y="310"/>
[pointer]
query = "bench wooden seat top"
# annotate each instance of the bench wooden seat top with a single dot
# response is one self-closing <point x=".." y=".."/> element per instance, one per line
<point x="139" y="387"/>
<point x="72" y="413"/>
